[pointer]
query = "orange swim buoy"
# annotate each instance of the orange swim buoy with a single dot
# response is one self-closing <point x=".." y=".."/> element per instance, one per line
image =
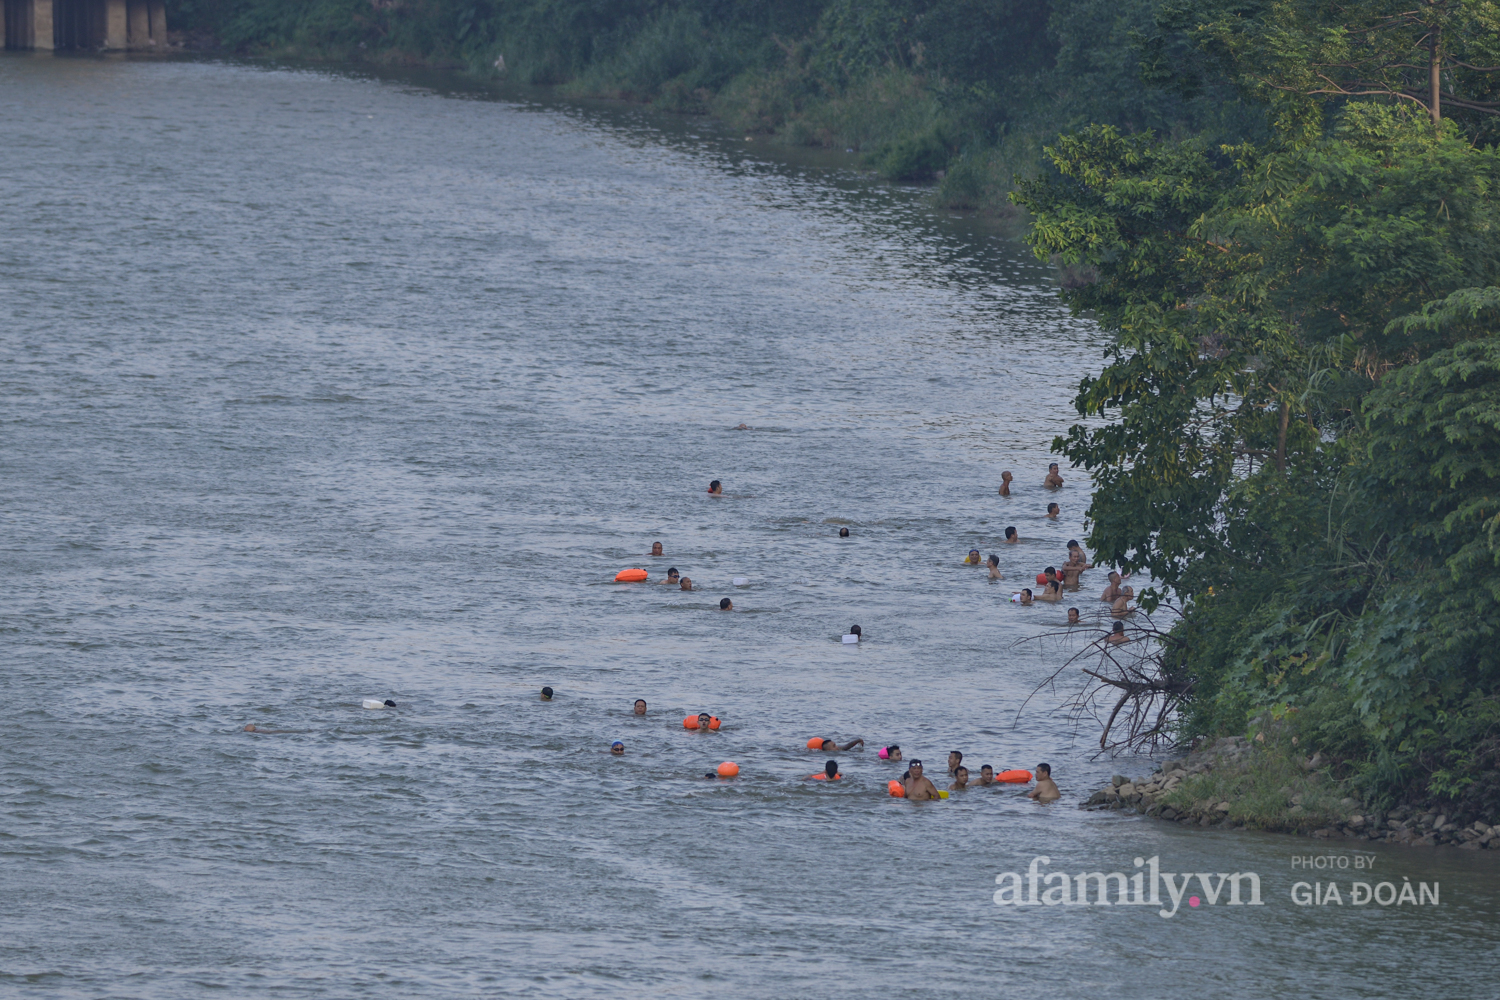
<point x="1041" y="578"/>
<point x="816" y="743"/>
<point x="897" y="790"/>
<point x="728" y="769"/>
<point x="1014" y="777"/>
<point x="823" y="776"/>
<point x="630" y="576"/>
<point x="691" y="722"/>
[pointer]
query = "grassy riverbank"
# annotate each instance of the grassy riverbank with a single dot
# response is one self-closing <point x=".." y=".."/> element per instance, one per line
<point x="961" y="94"/>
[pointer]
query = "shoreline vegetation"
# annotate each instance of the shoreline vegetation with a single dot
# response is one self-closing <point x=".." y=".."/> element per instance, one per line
<point x="1284" y="216"/>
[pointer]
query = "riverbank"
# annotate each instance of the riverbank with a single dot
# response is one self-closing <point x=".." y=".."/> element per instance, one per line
<point x="1236" y="783"/>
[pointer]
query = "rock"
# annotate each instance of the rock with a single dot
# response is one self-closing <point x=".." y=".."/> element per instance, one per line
<point x="1222" y="807"/>
<point x="1169" y="813"/>
<point x="1296" y="800"/>
<point x="1356" y="821"/>
<point x="1472" y="845"/>
<point x="1126" y="790"/>
<point x="1440" y="822"/>
<point x="1348" y="803"/>
<point x="1117" y="780"/>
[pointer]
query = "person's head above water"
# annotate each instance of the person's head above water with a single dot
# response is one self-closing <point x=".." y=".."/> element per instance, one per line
<point x="831" y="768"/>
<point x="1118" y="628"/>
<point x="672" y="575"/>
<point x="1006" y="476"/>
<point x="960" y="776"/>
<point x="1052" y="467"/>
<point x="686" y="583"/>
<point x="716" y="487"/>
<point x="973" y="557"/>
<point x="855" y="630"/>
<point x="954" y="759"/>
<point x="986" y="771"/>
<point x="617" y="748"/>
<point x="726" y="605"/>
<point x="843" y="532"/>
<point x="656" y="548"/>
<point x="546" y="694"/>
<point x="1044" y="770"/>
<point x="704" y="721"/>
<point x="640" y="706"/>
<point x="993" y="560"/>
<point x="892" y="752"/>
<point x="1026" y="595"/>
<point x="1053" y="510"/>
<point x="1072" y="616"/>
<point x="1011" y="536"/>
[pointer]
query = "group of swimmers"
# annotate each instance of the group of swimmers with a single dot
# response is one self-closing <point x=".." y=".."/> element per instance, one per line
<point x="914" y="784"/>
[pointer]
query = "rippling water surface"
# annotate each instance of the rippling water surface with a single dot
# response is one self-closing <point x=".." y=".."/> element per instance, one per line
<point x="316" y="388"/>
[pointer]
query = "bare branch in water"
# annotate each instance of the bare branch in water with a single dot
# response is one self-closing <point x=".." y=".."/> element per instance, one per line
<point x="1140" y="719"/>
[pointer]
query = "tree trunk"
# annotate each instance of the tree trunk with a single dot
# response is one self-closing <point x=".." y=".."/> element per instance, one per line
<point x="1286" y="419"/>
<point x="1435" y="73"/>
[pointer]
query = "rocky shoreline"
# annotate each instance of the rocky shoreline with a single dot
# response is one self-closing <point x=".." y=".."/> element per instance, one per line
<point x="1191" y="791"/>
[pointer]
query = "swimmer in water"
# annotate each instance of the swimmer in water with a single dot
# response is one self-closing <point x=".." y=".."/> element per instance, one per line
<point x="1073" y="616"/>
<point x="829" y="746"/>
<point x="917" y="787"/>
<point x="960" y="779"/>
<point x="715" y="489"/>
<point x="726" y="604"/>
<point x="1046" y="789"/>
<point x="1011" y="538"/>
<point x="830" y="772"/>
<point x="1053" y="480"/>
<point x="955" y="758"/>
<point x="1053" y="590"/>
<point x="1116" y="636"/>
<point x="546" y="694"/>
<point x="640" y="706"/>
<point x="1005" y="478"/>
<point x="994" y="564"/>
<point x="705" y="722"/>
<point x="859" y="635"/>
<point x="617" y="748"/>
<point x="687" y="583"/>
<point x="656" y="548"/>
<point x="892" y="752"/>
<point x="1076" y="564"/>
<point x="987" y="775"/>
<point x="1025" y="596"/>
<point x="1120" y="607"/>
<point x="672" y="577"/>
<point x="1113" y="590"/>
<point x="973" y="558"/>
<point x="843" y="532"/>
<point x="1053" y="510"/>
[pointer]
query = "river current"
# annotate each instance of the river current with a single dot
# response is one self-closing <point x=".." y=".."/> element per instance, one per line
<point x="318" y="387"/>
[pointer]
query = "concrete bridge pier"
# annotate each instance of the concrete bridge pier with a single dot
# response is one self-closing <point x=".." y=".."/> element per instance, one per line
<point x="98" y="25"/>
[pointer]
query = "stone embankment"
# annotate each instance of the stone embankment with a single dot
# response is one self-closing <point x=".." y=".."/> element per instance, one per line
<point x="1233" y="784"/>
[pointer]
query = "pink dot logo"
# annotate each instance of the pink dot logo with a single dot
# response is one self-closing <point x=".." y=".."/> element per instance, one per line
<point x="1193" y="902"/>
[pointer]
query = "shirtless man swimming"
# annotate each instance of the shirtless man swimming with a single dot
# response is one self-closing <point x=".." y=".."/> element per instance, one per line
<point x="994" y="565"/>
<point x="1046" y="789"/>
<point x="715" y="489"/>
<point x="1053" y="510"/>
<point x="918" y="788"/>
<point x="1073" y="618"/>
<point x="1053" y="480"/>
<point x="955" y="758"/>
<point x="640" y="706"/>
<point x="1117" y="636"/>
<point x="672" y="577"/>
<point x="973" y="558"/>
<point x="725" y="604"/>
<point x="687" y="583"/>
<point x="1113" y="590"/>
<point x="960" y="780"/>
<point x="1025" y="596"/>
<point x="656" y="548"/>
<point x="1076" y="564"/>
<point x="1011" y="538"/>
<point x="1005" y="478"/>
<point x="829" y="746"/>
<point x="1120" y="606"/>
<point x="987" y="775"/>
<point x="1053" y="591"/>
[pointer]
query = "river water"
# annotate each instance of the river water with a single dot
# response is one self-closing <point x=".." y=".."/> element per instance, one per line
<point x="317" y="387"/>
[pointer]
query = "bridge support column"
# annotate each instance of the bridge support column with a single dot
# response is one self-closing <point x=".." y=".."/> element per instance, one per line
<point x="158" y="19"/>
<point x="116" y="25"/>
<point x="41" y="23"/>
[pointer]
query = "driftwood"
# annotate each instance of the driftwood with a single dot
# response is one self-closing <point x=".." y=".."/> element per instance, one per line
<point x="1126" y="691"/>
